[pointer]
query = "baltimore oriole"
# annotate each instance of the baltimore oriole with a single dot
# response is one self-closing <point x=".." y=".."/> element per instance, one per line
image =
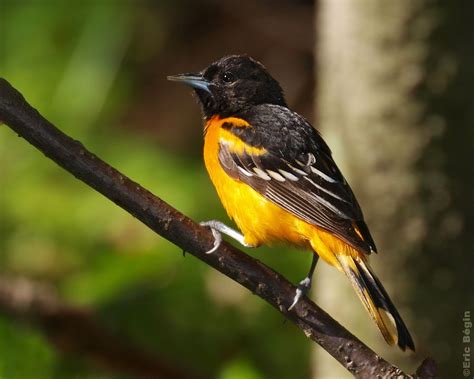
<point x="277" y="180"/>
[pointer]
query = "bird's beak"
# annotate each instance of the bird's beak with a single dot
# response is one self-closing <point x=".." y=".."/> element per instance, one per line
<point x="192" y="80"/>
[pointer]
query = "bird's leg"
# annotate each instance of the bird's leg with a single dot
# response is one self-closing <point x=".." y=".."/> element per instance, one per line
<point x="305" y="284"/>
<point x="217" y="228"/>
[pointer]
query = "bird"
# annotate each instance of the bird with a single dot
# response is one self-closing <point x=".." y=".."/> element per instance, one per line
<point x="278" y="181"/>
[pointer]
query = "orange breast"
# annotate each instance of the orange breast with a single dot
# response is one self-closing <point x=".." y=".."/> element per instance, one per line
<point x="261" y="221"/>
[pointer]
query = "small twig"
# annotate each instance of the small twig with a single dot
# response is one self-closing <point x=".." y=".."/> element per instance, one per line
<point x="73" y="330"/>
<point x="316" y="324"/>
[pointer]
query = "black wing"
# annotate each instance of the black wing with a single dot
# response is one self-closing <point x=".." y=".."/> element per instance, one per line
<point x="302" y="178"/>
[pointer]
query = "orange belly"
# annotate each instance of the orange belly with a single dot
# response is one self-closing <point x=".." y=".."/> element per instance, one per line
<point x="261" y="221"/>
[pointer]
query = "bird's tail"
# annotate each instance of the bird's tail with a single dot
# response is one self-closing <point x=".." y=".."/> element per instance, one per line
<point x="376" y="301"/>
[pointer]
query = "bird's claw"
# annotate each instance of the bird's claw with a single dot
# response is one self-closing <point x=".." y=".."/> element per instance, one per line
<point x="217" y="236"/>
<point x="302" y="289"/>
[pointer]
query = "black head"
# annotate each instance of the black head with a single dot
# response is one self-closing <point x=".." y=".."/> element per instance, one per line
<point x="233" y="84"/>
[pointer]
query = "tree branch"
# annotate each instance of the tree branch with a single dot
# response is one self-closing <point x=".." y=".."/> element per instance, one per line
<point x="73" y="330"/>
<point x="316" y="324"/>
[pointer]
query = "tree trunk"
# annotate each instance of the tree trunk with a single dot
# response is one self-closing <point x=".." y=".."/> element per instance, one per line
<point x="395" y="106"/>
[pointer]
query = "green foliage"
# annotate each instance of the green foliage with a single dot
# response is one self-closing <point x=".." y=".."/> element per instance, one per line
<point x="55" y="229"/>
<point x="24" y="353"/>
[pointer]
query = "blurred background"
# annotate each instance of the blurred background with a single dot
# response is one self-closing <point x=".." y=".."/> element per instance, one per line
<point x="86" y="291"/>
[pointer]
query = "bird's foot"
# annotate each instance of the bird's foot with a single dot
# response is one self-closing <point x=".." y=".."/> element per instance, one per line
<point x="216" y="233"/>
<point x="302" y="289"/>
<point x="217" y="228"/>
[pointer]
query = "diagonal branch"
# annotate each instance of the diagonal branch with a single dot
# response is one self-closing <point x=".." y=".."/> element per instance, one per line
<point x="316" y="324"/>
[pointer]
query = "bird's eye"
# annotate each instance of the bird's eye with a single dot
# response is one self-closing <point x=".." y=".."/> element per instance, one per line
<point x="228" y="77"/>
